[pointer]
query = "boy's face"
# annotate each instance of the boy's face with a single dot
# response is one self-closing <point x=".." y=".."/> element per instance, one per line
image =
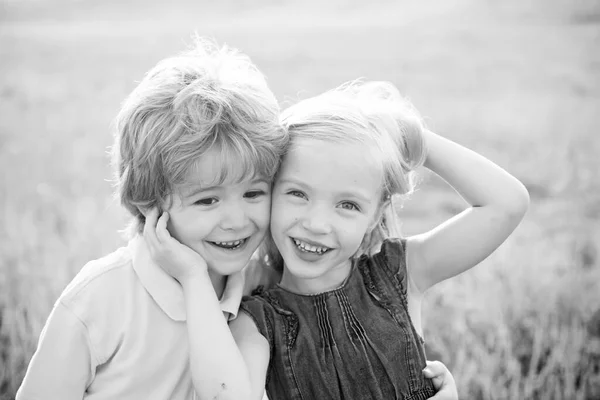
<point x="223" y="223"/>
<point x="325" y="198"/>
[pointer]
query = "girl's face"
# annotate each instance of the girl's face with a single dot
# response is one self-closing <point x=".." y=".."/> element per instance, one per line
<point x="223" y="223"/>
<point x="325" y="198"/>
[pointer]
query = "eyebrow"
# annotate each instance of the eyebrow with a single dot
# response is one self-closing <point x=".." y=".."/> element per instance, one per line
<point x="194" y="190"/>
<point x="358" y="196"/>
<point x="351" y="195"/>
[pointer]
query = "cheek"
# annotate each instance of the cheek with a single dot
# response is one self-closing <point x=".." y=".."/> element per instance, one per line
<point x="276" y="217"/>
<point x="178" y="228"/>
<point x="354" y="231"/>
<point x="260" y="213"/>
<point x="192" y="226"/>
<point x="283" y="212"/>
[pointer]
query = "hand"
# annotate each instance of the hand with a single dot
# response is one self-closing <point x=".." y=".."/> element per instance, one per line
<point x="176" y="259"/>
<point x="443" y="381"/>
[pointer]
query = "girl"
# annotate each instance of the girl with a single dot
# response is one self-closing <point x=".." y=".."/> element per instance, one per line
<point x="344" y="321"/>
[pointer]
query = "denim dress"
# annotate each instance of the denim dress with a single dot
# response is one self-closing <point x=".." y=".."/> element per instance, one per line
<point x="354" y="342"/>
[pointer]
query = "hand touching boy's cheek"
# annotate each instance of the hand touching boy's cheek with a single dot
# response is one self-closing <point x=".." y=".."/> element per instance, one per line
<point x="176" y="259"/>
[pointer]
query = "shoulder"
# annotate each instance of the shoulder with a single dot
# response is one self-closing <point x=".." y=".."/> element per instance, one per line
<point x="257" y="304"/>
<point x="100" y="284"/>
<point x="391" y="257"/>
<point x="263" y="308"/>
<point x="96" y="301"/>
<point x="386" y="268"/>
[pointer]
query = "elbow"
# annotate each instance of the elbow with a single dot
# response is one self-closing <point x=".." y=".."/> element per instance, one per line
<point x="522" y="200"/>
<point x="516" y="203"/>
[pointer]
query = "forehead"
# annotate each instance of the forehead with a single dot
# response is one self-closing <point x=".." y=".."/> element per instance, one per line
<point x="333" y="167"/>
<point x="213" y="169"/>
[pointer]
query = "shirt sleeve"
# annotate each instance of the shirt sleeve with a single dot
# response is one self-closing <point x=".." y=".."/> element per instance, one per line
<point x="63" y="365"/>
<point x="392" y="260"/>
<point x="257" y="309"/>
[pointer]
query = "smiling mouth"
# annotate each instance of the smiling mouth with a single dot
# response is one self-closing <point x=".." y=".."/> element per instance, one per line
<point x="232" y="245"/>
<point x="310" y="248"/>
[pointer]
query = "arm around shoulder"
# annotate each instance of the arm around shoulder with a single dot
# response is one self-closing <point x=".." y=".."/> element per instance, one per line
<point x="63" y="365"/>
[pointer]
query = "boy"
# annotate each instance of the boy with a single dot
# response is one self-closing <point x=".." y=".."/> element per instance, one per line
<point x="199" y="138"/>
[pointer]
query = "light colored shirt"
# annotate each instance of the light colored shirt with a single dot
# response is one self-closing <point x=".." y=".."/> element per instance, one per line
<point x="118" y="332"/>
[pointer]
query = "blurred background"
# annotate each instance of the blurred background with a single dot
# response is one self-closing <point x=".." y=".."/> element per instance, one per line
<point x="517" y="81"/>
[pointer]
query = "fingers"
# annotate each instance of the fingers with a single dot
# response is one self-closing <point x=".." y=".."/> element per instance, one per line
<point x="155" y="228"/>
<point x="434" y="369"/>
<point x="150" y="228"/>
<point x="442" y="379"/>
<point x="161" y="228"/>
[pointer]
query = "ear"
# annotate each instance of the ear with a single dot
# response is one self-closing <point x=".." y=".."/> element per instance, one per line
<point x="144" y="210"/>
<point x="366" y="240"/>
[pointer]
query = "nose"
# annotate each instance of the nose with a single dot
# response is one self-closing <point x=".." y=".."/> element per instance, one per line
<point x="234" y="216"/>
<point x="317" y="220"/>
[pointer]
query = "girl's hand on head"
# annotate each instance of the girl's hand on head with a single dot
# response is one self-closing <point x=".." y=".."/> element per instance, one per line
<point x="443" y="381"/>
<point x="176" y="259"/>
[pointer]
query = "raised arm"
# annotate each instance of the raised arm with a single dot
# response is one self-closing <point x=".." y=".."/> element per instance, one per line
<point x="498" y="202"/>
<point x="218" y="368"/>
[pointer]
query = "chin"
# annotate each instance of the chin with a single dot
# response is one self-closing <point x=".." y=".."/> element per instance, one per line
<point x="230" y="268"/>
<point x="302" y="271"/>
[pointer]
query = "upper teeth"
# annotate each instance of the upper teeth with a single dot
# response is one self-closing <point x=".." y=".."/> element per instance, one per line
<point x="233" y="243"/>
<point x="309" y="247"/>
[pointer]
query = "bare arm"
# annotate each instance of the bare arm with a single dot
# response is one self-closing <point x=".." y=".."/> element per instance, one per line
<point x="255" y="350"/>
<point x="218" y="368"/>
<point x="498" y="203"/>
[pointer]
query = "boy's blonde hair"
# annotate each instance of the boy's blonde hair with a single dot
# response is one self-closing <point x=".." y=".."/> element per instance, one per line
<point x="208" y="97"/>
<point x="375" y="115"/>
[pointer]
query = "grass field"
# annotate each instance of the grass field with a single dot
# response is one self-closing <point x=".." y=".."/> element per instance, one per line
<point x="517" y="81"/>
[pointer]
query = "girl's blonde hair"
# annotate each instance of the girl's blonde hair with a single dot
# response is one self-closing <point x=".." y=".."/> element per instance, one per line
<point x="208" y="97"/>
<point x="375" y="115"/>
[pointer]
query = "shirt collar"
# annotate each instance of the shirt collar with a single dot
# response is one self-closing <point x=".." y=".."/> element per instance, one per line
<point x="167" y="292"/>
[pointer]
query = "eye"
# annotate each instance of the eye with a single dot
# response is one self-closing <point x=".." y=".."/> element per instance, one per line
<point x="253" y="194"/>
<point x="296" y="193"/>
<point x="348" y="205"/>
<point x="209" y="201"/>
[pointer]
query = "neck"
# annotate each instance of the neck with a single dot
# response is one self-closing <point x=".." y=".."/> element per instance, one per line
<point x="218" y="282"/>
